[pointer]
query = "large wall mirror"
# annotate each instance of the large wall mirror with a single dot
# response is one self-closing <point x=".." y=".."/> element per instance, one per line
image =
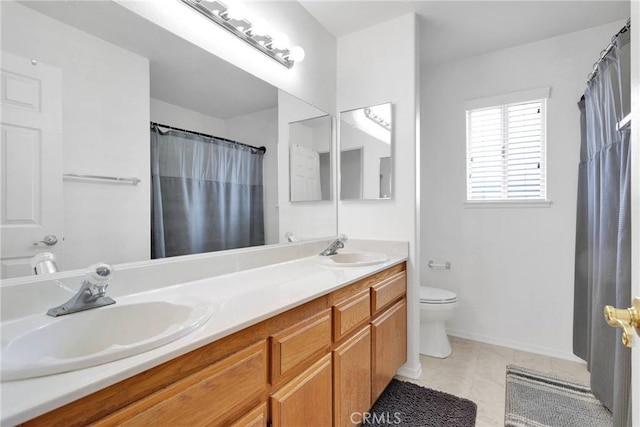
<point x="94" y="90"/>
<point x="310" y="159"/>
<point x="366" y="147"/>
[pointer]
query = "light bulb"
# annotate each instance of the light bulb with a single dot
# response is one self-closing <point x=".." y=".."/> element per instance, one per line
<point x="236" y="11"/>
<point x="259" y="26"/>
<point x="296" y="54"/>
<point x="214" y="6"/>
<point x="280" y="41"/>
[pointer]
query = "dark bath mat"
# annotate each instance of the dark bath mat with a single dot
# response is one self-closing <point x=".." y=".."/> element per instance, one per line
<point x="406" y="404"/>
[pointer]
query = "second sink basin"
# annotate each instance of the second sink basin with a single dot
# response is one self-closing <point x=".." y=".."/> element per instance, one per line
<point x="41" y="345"/>
<point x="353" y="259"/>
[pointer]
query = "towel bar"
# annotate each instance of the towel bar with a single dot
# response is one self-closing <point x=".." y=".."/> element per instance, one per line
<point x="133" y="181"/>
<point x="445" y="265"/>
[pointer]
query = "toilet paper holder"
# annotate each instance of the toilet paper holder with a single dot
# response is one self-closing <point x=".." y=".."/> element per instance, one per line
<point x="445" y="265"/>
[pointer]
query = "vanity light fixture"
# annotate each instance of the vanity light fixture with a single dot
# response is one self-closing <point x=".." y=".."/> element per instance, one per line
<point x="254" y="32"/>
<point x="377" y="119"/>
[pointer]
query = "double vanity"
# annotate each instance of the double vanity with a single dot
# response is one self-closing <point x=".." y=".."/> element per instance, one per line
<point x="294" y="339"/>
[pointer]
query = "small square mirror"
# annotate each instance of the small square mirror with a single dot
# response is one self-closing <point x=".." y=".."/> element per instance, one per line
<point x="366" y="162"/>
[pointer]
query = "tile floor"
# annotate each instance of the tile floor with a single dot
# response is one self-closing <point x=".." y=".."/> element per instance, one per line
<point x="476" y="371"/>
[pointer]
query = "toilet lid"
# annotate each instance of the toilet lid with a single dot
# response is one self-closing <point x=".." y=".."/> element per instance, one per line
<point x="436" y="295"/>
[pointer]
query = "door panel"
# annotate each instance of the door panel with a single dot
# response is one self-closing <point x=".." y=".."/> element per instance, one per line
<point x="305" y="174"/>
<point x="30" y="162"/>
<point x="388" y="346"/>
<point x="22" y="151"/>
<point x="305" y="400"/>
<point x="352" y="379"/>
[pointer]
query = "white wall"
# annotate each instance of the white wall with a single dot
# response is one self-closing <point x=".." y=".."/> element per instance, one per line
<point x="172" y="115"/>
<point x="512" y="268"/>
<point x="378" y="65"/>
<point x="261" y="129"/>
<point x="313" y="80"/>
<point x="105" y="115"/>
<point x="302" y="135"/>
<point x="373" y="150"/>
<point x="304" y="219"/>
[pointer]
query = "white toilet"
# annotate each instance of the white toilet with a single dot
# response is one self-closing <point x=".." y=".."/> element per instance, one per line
<point x="436" y="307"/>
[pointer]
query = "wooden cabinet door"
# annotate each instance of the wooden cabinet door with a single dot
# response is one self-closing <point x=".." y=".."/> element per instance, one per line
<point x="388" y="346"/>
<point x="256" y="418"/>
<point x="305" y="400"/>
<point x="352" y="378"/>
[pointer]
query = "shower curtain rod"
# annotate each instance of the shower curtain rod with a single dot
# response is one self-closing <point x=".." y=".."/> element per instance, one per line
<point x="263" y="148"/>
<point x="606" y="50"/>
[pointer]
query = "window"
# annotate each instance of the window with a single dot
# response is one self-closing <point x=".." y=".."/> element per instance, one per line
<point x="506" y="152"/>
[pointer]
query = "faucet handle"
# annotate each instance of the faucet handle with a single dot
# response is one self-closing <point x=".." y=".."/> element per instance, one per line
<point x="96" y="291"/>
<point x="99" y="274"/>
<point x="343" y="237"/>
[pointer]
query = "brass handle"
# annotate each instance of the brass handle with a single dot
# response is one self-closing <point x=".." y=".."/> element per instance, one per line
<point x="625" y="319"/>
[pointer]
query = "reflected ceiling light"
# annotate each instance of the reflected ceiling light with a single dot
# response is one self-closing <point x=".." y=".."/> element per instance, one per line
<point x="259" y="26"/>
<point x="232" y="18"/>
<point x="296" y="54"/>
<point x="378" y="119"/>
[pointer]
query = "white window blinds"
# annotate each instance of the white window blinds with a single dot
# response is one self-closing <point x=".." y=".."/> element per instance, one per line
<point x="506" y="152"/>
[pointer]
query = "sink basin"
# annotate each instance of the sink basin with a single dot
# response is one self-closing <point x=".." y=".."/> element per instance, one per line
<point x="353" y="259"/>
<point x="41" y="345"/>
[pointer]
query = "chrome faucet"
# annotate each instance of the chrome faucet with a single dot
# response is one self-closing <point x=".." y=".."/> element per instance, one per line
<point x="92" y="292"/>
<point x="335" y="245"/>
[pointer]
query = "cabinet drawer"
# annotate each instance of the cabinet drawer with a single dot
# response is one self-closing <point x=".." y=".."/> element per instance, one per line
<point x="297" y="344"/>
<point x="208" y="397"/>
<point x="350" y="314"/>
<point x="256" y="418"/>
<point x="388" y="291"/>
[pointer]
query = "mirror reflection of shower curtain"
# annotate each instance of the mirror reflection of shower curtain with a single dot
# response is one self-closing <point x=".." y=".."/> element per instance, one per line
<point x="305" y="174"/>
<point x="207" y="194"/>
<point x="603" y="230"/>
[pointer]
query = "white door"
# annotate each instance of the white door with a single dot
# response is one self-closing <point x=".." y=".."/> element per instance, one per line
<point x="305" y="174"/>
<point x="30" y="163"/>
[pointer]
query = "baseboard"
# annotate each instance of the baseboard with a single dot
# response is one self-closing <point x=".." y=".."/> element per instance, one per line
<point x="414" y="372"/>
<point x="545" y="351"/>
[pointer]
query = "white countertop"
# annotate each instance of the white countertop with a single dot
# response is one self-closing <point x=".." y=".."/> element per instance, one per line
<point x="240" y="299"/>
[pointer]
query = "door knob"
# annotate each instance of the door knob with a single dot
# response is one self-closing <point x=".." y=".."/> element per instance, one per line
<point x="48" y="240"/>
<point x="627" y="320"/>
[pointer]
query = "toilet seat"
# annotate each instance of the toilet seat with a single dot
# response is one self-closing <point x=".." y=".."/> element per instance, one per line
<point x="436" y="296"/>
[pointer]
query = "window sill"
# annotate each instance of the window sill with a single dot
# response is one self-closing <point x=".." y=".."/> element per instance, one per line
<point x="508" y="204"/>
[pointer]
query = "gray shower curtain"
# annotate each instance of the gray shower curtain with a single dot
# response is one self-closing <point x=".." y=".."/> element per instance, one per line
<point x="603" y="246"/>
<point x="207" y="194"/>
